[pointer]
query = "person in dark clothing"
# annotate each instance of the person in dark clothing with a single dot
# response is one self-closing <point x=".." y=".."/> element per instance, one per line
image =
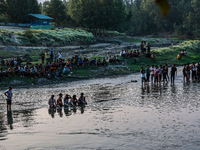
<point x="173" y="72"/>
<point x="141" y="46"/>
<point x="42" y="57"/>
<point x="148" y="48"/>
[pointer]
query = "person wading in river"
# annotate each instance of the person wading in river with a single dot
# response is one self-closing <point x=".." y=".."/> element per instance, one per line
<point x="156" y="71"/>
<point x="8" y="94"/>
<point x="184" y="73"/>
<point x="152" y="73"/>
<point x="59" y="100"/>
<point x="173" y="72"/>
<point x="188" y="72"/>
<point x="52" y="102"/>
<point x="142" y="71"/>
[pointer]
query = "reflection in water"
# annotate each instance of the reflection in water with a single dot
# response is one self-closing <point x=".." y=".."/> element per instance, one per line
<point x="10" y="119"/>
<point x="59" y="111"/>
<point x="52" y="112"/>
<point x="120" y="115"/>
<point x="67" y="110"/>
<point x="3" y="129"/>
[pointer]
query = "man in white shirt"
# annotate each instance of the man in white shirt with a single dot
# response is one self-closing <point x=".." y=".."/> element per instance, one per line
<point x="60" y="55"/>
<point x="152" y="73"/>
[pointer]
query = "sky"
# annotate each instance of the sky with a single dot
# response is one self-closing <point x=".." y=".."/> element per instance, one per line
<point x="41" y="1"/>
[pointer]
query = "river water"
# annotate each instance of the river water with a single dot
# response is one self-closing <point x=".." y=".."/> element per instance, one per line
<point x="121" y="115"/>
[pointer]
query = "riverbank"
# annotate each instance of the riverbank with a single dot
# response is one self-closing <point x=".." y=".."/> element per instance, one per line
<point x="127" y="65"/>
<point x="54" y="37"/>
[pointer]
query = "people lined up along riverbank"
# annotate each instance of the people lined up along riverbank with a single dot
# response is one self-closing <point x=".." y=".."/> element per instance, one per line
<point x="55" y="67"/>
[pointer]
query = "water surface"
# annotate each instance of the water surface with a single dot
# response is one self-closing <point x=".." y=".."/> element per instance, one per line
<point x="120" y="115"/>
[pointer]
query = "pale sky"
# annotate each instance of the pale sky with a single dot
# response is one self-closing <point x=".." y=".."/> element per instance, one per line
<point x="41" y="1"/>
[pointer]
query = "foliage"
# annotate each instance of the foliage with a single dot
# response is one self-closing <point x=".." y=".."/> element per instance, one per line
<point x="147" y="19"/>
<point x="48" y="37"/>
<point x="3" y="6"/>
<point x="56" y="10"/>
<point x="18" y="10"/>
<point x="98" y="14"/>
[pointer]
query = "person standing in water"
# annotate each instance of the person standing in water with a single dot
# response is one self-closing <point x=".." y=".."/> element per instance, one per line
<point x="173" y="72"/>
<point x="198" y="72"/>
<point x="81" y="100"/>
<point x="152" y="73"/>
<point x="194" y="71"/>
<point x="8" y="94"/>
<point x="59" y="100"/>
<point x="52" y="102"/>
<point x="188" y="72"/>
<point x="142" y="71"/>
<point x="67" y="100"/>
<point x="184" y="73"/>
<point x="147" y="73"/>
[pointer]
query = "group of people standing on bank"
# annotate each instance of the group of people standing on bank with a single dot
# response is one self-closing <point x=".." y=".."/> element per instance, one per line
<point x="67" y="101"/>
<point x="157" y="74"/>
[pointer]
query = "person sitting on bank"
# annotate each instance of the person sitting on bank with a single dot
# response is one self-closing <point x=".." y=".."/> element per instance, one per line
<point x="52" y="102"/>
<point x="179" y="56"/>
<point x="59" y="100"/>
<point x="66" y="70"/>
<point x="81" y="100"/>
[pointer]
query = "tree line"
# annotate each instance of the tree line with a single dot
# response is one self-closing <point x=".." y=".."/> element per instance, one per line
<point x="135" y="17"/>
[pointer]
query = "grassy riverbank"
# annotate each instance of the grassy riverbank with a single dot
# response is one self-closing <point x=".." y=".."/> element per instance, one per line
<point x="55" y="37"/>
<point x="126" y="66"/>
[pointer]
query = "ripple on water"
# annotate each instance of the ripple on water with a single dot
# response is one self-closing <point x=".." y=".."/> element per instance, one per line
<point x="120" y="115"/>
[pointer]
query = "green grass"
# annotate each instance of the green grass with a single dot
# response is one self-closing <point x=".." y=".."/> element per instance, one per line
<point x="49" y="37"/>
<point x="168" y="55"/>
<point x="127" y="65"/>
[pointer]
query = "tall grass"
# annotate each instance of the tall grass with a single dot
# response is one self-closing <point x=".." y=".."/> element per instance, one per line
<point x="48" y="37"/>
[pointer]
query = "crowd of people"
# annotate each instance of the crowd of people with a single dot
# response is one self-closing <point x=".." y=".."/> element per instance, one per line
<point x="55" y="66"/>
<point x="67" y="101"/>
<point x="132" y="53"/>
<point x="157" y="74"/>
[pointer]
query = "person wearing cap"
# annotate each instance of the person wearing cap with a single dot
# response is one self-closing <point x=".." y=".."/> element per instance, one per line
<point x="59" y="100"/>
<point x="8" y="94"/>
<point x="52" y="102"/>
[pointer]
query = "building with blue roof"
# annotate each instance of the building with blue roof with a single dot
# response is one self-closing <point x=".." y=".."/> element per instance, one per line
<point x="40" y="21"/>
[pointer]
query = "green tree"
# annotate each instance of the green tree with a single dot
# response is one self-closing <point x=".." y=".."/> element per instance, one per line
<point x="18" y="10"/>
<point x="45" y="6"/>
<point x="3" y="6"/>
<point x="98" y="14"/>
<point x="57" y="10"/>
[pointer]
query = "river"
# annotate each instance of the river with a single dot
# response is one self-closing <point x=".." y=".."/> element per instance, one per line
<point x="120" y="115"/>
